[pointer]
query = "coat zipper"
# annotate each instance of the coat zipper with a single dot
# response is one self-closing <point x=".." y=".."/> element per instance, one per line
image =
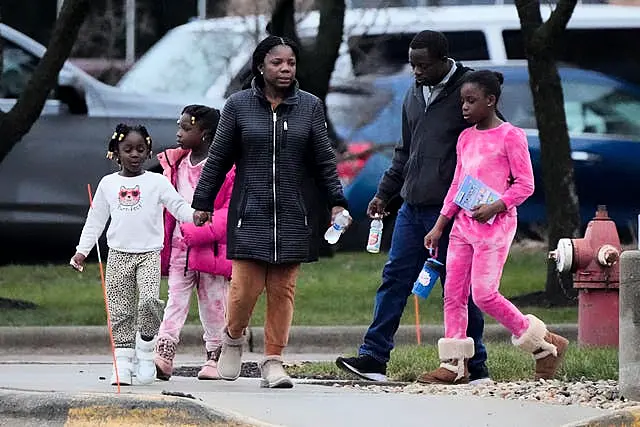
<point x="275" y="205"/>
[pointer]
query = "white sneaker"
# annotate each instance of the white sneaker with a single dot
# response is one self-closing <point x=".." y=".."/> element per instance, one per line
<point x="146" y="367"/>
<point x="124" y="363"/>
<point x="273" y="373"/>
<point x="230" y="361"/>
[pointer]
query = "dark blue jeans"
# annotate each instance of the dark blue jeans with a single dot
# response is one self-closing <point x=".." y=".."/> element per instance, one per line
<point x="406" y="258"/>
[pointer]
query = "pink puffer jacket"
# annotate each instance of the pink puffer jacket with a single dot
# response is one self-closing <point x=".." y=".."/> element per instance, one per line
<point x="206" y="245"/>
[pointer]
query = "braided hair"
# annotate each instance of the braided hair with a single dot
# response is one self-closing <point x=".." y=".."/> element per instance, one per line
<point x="265" y="47"/>
<point x="121" y="132"/>
<point x="206" y="118"/>
<point x="489" y="81"/>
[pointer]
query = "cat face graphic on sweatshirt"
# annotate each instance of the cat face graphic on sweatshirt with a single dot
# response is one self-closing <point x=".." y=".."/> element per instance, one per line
<point x="129" y="198"/>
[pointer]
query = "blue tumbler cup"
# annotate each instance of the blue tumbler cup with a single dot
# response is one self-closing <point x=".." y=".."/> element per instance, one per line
<point x="427" y="277"/>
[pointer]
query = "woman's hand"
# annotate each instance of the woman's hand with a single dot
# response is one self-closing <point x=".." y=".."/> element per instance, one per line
<point x="432" y="238"/>
<point x="483" y="213"/>
<point x="77" y="261"/>
<point x="335" y="211"/>
<point x="200" y="218"/>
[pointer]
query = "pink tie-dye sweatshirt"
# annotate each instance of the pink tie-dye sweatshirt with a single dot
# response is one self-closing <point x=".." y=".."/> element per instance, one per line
<point x="498" y="157"/>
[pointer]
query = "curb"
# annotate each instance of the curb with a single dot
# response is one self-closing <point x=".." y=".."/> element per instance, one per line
<point x="82" y="409"/>
<point x="629" y="417"/>
<point x="302" y="339"/>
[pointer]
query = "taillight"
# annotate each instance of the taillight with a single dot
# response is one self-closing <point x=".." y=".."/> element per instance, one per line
<point x="353" y="161"/>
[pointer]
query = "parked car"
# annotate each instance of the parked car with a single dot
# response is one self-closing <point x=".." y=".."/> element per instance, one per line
<point x="44" y="201"/>
<point x="45" y="176"/>
<point x="375" y="40"/>
<point x="603" y="117"/>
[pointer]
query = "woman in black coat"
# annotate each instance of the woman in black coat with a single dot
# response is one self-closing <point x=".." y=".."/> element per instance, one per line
<point x="276" y="135"/>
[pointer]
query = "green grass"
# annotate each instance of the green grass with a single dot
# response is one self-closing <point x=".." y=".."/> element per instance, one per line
<point x="506" y="363"/>
<point x="336" y="291"/>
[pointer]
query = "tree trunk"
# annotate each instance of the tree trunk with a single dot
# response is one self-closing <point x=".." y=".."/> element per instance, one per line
<point x="318" y="61"/>
<point x="562" y="205"/>
<point x="1" y="54"/>
<point x="18" y="121"/>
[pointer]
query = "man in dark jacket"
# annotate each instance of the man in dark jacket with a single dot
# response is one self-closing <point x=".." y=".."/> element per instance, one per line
<point x="421" y="172"/>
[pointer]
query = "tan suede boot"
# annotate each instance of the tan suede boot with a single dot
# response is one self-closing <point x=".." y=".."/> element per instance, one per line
<point x="454" y="354"/>
<point x="273" y="373"/>
<point x="547" y="348"/>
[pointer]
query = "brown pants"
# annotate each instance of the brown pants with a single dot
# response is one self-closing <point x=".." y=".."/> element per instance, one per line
<point x="248" y="280"/>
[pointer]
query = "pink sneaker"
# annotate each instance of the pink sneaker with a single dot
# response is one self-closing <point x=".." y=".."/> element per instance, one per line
<point x="165" y="352"/>
<point x="209" y="370"/>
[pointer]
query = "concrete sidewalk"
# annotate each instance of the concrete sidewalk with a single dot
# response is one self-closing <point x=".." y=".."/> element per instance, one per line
<point x="80" y="382"/>
<point x="302" y="339"/>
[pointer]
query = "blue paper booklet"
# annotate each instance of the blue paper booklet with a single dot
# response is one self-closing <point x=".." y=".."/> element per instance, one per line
<point x="473" y="192"/>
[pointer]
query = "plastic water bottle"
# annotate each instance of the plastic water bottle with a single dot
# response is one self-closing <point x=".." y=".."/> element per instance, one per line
<point x="337" y="228"/>
<point x="375" y="236"/>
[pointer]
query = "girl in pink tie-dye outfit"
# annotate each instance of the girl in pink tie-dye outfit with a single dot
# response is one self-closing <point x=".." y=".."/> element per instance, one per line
<point x="496" y="153"/>
<point x="194" y="257"/>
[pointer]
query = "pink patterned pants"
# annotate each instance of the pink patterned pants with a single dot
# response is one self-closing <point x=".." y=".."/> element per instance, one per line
<point x="212" y="297"/>
<point x="475" y="259"/>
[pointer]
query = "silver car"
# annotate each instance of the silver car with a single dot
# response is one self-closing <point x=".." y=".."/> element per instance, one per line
<point x="46" y="174"/>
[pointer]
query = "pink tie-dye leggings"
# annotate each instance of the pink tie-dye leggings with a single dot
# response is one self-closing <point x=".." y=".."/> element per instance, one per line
<point x="212" y="299"/>
<point x="475" y="258"/>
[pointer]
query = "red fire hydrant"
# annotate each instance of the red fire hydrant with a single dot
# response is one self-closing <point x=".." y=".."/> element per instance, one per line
<point x="593" y="260"/>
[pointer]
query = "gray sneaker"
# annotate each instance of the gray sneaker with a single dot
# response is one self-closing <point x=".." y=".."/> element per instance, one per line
<point x="273" y="373"/>
<point x="230" y="361"/>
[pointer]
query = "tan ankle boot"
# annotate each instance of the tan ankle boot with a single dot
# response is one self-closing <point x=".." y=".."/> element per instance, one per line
<point x="230" y="361"/>
<point x="547" y="348"/>
<point x="273" y="373"/>
<point x="454" y="355"/>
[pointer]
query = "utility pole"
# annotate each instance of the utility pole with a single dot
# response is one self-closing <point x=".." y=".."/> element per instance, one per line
<point x="130" y="23"/>
<point x="202" y="9"/>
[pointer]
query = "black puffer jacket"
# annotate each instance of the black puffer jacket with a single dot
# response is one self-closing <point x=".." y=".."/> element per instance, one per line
<point x="278" y="154"/>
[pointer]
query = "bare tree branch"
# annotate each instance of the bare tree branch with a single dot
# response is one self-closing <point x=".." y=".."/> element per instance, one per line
<point x="18" y="121"/>
<point x="558" y="20"/>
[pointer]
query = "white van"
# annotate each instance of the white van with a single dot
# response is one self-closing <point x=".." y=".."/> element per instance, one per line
<point x="212" y="57"/>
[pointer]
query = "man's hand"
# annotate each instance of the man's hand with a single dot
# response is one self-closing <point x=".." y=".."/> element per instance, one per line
<point x="200" y="218"/>
<point x="376" y="208"/>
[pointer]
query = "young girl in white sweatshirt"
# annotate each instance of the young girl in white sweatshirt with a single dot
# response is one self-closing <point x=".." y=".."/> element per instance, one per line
<point x="134" y="199"/>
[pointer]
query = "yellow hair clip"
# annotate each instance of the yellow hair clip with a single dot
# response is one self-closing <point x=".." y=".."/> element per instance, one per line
<point x="121" y="137"/>
<point x="148" y="140"/>
<point x="193" y="120"/>
<point x="115" y="135"/>
<point x="110" y="155"/>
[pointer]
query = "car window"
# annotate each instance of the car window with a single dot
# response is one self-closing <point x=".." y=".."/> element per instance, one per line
<point x="387" y="53"/>
<point x="608" y="50"/>
<point x="590" y="108"/>
<point x="184" y="62"/>
<point x="18" y="67"/>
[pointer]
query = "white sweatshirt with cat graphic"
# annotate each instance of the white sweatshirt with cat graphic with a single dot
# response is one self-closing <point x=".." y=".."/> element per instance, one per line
<point x="135" y="205"/>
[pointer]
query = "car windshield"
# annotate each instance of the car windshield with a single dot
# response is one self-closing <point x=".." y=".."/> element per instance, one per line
<point x="355" y="107"/>
<point x="184" y="62"/>
<point x="368" y="113"/>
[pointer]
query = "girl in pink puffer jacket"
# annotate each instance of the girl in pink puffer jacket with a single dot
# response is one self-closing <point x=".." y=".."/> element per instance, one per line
<point x="194" y="257"/>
